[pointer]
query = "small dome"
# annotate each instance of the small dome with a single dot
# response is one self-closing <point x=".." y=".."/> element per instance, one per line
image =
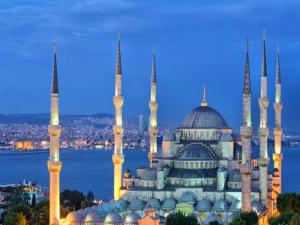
<point x="153" y="203"/>
<point x="203" y="205"/>
<point x="93" y="217"/>
<point x="235" y="176"/>
<point x="107" y="208"/>
<point x="204" y="117"/>
<point x="187" y="197"/>
<point x="220" y="205"/>
<point x="132" y="218"/>
<point x="196" y="151"/>
<point x="136" y="204"/>
<point x="112" y="218"/>
<point x="75" y="216"/>
<point x="169" y="204"/>
<point x="100" y="209"/>
<point x="149" y="174"/>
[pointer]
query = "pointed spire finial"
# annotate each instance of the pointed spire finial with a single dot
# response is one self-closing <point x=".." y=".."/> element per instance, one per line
<point x="118" y="63"/>
<point x="204" y="102"/>
<point x="247" y="84"/>
<point x="278" y="76"/>
<point x="264" y="60"/>
<point x="54" y="78"/>
<point x="153" y="75"/>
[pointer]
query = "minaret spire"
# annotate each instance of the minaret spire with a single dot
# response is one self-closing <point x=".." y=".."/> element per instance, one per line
<point x="247" y="85"/>
<point x="277" y="155"/>
<point x="204" y="102"/>
<point x="54" y="78"/>
<point x="118" y="157"/>
<point x="263" y="129"/>
<point x="153" y="75"/>
<point x="246" y="135"/>
<point x="153" y="105"/>
<point x="54" y="163"/>
<point x="118" y="63"/>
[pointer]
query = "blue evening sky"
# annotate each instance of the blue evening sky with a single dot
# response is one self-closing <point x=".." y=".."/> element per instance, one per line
<point x="196" y="42"/>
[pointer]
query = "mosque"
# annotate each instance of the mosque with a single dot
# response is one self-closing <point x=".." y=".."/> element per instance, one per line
<point x="200" y="170"/>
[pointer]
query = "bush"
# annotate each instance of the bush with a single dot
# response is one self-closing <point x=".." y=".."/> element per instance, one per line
<point x="245" y="218"/>
<point x="179" y="218"/>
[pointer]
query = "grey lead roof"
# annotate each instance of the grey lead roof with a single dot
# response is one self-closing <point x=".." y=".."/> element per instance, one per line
<point x="264" y="60"/>
<point x="54" y="78"/>
<point x="278" y="76"/>
<point x="153" y="75"/>
<point x="247" y="83"/>
<point x="118" y="63"/>
<point x="204" y="117"/>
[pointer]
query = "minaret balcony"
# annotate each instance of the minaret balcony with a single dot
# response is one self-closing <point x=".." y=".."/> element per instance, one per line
<point x="277" y="132"/>
<point x="153" y="106"/>
<point x="118" y="159"/>
<point x="277" y="157"/>
<point x="246" y="169"/>
<point x="118" y="130"/>
<point x="263" y="131"/>
<point x="264" y="103"/>
<point x="246" y="132"/>
<point x="277" y="106"/>
<point x="54" y="130"/>
<point x="263" y="162"/>
<point x="54" y="166"/>
<point x="118" y="101"/>
<point x="153" y="131"/>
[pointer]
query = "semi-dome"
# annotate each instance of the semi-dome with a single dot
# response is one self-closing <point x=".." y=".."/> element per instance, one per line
<point x="132" y="218"/>
<point x="204" y="117"/>
<point x="112" y="218"/>
<point x="235" y="176"/>
<point x="136" y="204"/>
<point x="196" y="151"/>
<point x="187" y="197"/>
<point x="203" y="205"/>
<point x="93" y="217"/>
<point x="169" y="204"/>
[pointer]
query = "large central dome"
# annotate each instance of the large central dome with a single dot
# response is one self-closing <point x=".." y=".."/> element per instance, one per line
<point x="204" y="117"/>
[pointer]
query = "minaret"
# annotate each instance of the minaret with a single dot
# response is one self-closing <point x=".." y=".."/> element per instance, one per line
<point x="54" y="164"/>
<point x="277" y="156"/>
<point x="153" y="131"/>
<point x="263" y="128"/>
<point x="246" y="135"/>
<point x="118" y="157"/>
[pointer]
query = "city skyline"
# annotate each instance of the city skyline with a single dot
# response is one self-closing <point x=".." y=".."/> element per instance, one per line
<point x="86" y="60"/>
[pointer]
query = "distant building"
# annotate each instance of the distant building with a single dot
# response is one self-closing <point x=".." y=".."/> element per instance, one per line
<point x="141" y="123"/>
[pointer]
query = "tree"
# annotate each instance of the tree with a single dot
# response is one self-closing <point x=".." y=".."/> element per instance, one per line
<point x="21" y="208"/>
<point x="288" y="202"/>
<point x="245" y="218"/>
<point x="214" y="223"/>
<point x="90" y="196"/>
<point x="180" y="219"/>
<point x="288" y="205"/>
<point x="41" y="213"/>
<point x="33" y="201"/>
<point x="72" y="199"/>
<point x="13" y="218"/>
